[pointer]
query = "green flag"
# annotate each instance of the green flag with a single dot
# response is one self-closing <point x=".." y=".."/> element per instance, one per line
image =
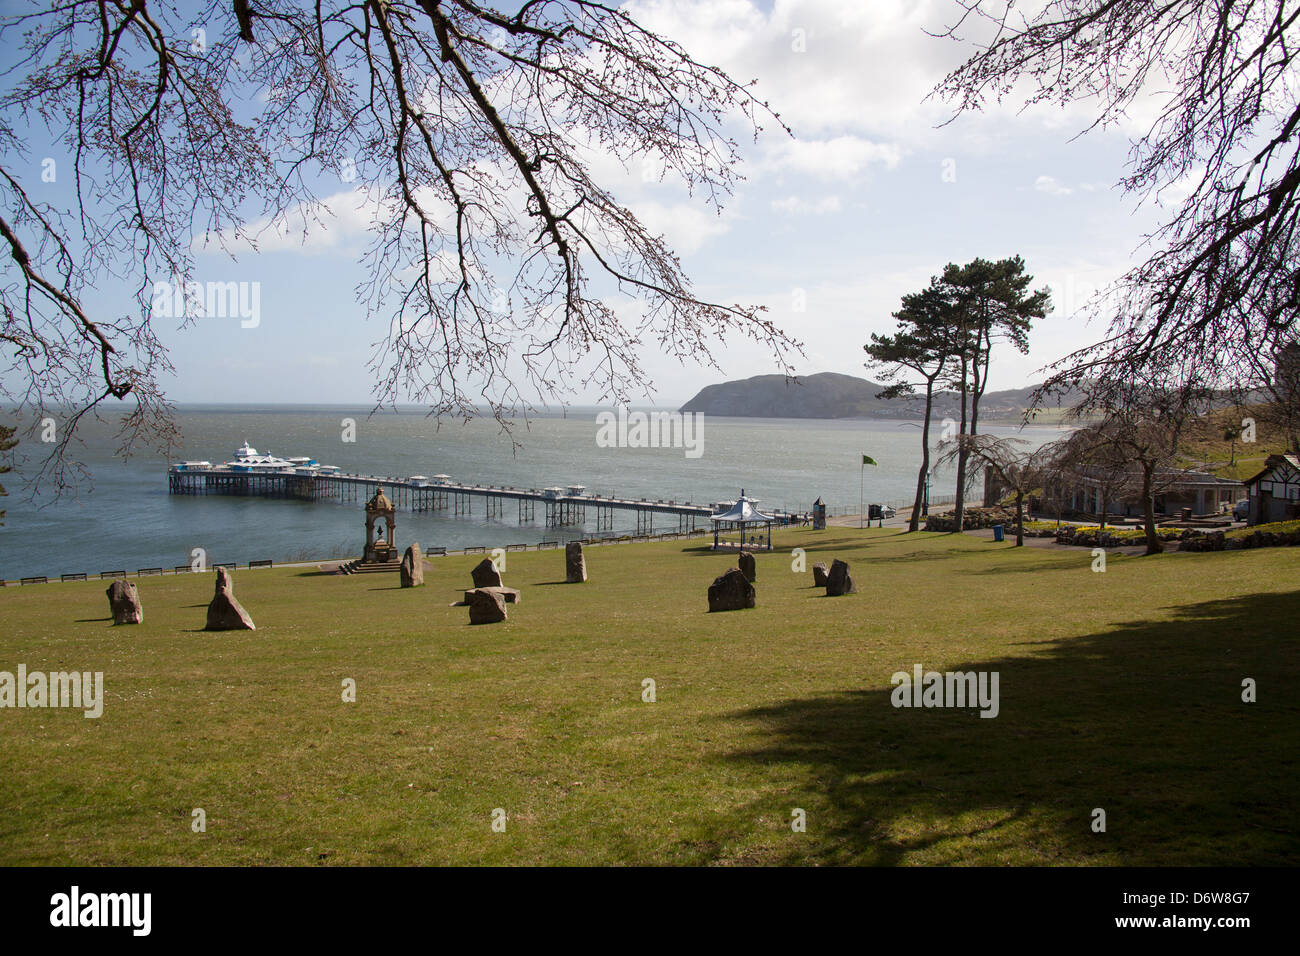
<point x="868" y="460"/>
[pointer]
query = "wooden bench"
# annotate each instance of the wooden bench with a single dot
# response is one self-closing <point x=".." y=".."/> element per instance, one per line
<point x="228" y="565"/>
<point x="75" y="576"/>
<point x="260" y="564"/>
<point x="516" y="547"/>
<point x="441" y="552"/>
<point x="111" y="574"/>
<point x="37" y="579"/>
<point x="148" y="572"/>
<point x="477" y="549"/>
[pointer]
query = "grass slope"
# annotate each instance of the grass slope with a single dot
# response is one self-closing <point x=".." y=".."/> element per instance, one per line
<point x="1118" y="690"/>
<point x="1203" y="445"/>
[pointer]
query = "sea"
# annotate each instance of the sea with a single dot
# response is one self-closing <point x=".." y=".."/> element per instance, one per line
<point x="122" y="517"/>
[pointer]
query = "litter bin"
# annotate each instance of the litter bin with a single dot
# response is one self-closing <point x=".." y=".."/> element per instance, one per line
<point x="997" y="532"/>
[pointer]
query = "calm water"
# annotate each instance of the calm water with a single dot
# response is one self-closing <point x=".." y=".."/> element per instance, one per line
<point x="128" y="520"/>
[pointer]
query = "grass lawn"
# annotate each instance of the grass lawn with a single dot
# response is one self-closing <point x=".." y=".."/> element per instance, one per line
<point x="1119" y="690"/>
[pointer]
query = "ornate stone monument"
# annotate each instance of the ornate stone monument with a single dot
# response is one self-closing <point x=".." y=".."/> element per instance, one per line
<point x="379" y="515"/>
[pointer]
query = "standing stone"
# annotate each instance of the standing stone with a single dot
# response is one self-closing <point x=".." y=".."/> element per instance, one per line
<point x="225" y="613"/>
<point x="486" y="606"/>
<point x="731" y="592"/>
<point x="486" y="575"/>
<point x="839" y="582"/>
<point x="820" y="573"/>
<point x="412" y="569"/>
<point x="575" y="564"/>
<point x="746" y="564"/>
<point x="125" y="602"/>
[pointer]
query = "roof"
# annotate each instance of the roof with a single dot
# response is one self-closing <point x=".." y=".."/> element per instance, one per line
<point x="1273" y="462"/>
<point x="742" y="511"/>
<point x="1169" y="476"/>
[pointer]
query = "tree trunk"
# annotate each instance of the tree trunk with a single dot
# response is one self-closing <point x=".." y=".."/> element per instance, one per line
<point x="1153" y="540"/>
<point x="915" y="523"/>
<point x="959" y="512"/>
<point x="1020" y="519"/>
<point x="1105" y="507"/>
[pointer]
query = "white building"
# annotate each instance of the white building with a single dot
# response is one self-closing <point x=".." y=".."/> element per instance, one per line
<point x="1275" y="491"/>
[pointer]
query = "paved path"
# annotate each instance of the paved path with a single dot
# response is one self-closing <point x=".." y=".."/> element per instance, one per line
<point x="899" y="522"/>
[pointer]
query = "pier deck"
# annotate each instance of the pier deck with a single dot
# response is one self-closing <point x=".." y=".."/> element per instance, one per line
<point x="458" y="499"/>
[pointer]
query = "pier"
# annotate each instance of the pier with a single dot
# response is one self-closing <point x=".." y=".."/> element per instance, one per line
<point x="561" y="507"/>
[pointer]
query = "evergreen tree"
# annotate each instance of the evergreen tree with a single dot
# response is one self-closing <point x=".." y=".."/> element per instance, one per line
<point x="991" y="303"/>
<point x="923" y="344"/>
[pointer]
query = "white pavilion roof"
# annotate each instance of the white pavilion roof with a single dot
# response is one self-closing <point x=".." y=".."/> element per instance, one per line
<point x="742" y="510"/>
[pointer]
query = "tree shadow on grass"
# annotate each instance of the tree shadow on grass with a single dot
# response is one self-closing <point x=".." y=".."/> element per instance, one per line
<point x="1144" y="720"/>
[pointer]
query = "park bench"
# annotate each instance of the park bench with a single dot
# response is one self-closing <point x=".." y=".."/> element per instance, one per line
<point x="37" y="579"/>
<point x="74" y="576"/>
<point x="260" y="564"/>
<point x="111" y="574"/>
<point x="147" y="572"/>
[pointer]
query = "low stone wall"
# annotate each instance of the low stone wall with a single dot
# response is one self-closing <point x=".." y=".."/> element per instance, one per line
<point x="972" y="518"/>
<point x="1218" y="541"/>
<point x="1091" y="538"/>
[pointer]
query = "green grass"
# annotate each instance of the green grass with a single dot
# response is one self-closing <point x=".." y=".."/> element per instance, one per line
<point x="1118" y="690"/>
<point x="1204" y="447"/>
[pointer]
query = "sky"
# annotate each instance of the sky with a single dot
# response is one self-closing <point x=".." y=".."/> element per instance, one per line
<point x="873" y="194"/>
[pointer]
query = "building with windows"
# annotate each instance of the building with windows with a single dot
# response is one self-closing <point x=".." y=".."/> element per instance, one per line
<point x="1275" y="491"/>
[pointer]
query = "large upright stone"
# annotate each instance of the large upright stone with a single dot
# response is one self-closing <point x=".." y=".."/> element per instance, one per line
<point x="486" y="606"/>
<point x="820" y="573"/>
<point x="746" y="564"/>
<point x="412" y="569"/>
<point x="839" y="582"/>
<point x="731" y="592"/>
<point x="575" y="563"/>
<point x="486" y="575"/>
<point x="225" y="613"/>
<point x="125" y="602"/>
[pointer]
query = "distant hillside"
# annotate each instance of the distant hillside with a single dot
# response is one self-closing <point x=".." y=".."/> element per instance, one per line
<point x="833" y="395"/>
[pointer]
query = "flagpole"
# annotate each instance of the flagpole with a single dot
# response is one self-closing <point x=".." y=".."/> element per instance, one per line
<point x="862" y="492"/>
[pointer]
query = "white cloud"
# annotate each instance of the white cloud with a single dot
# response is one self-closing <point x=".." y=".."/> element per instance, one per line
<point x="327" y="226"/>
<point x="838" y="158"/>
<point x="797" y="206"/>
<point x="685" y="226"/>
<point x="1049" y="185"/>
<point x="830" y="66"/>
